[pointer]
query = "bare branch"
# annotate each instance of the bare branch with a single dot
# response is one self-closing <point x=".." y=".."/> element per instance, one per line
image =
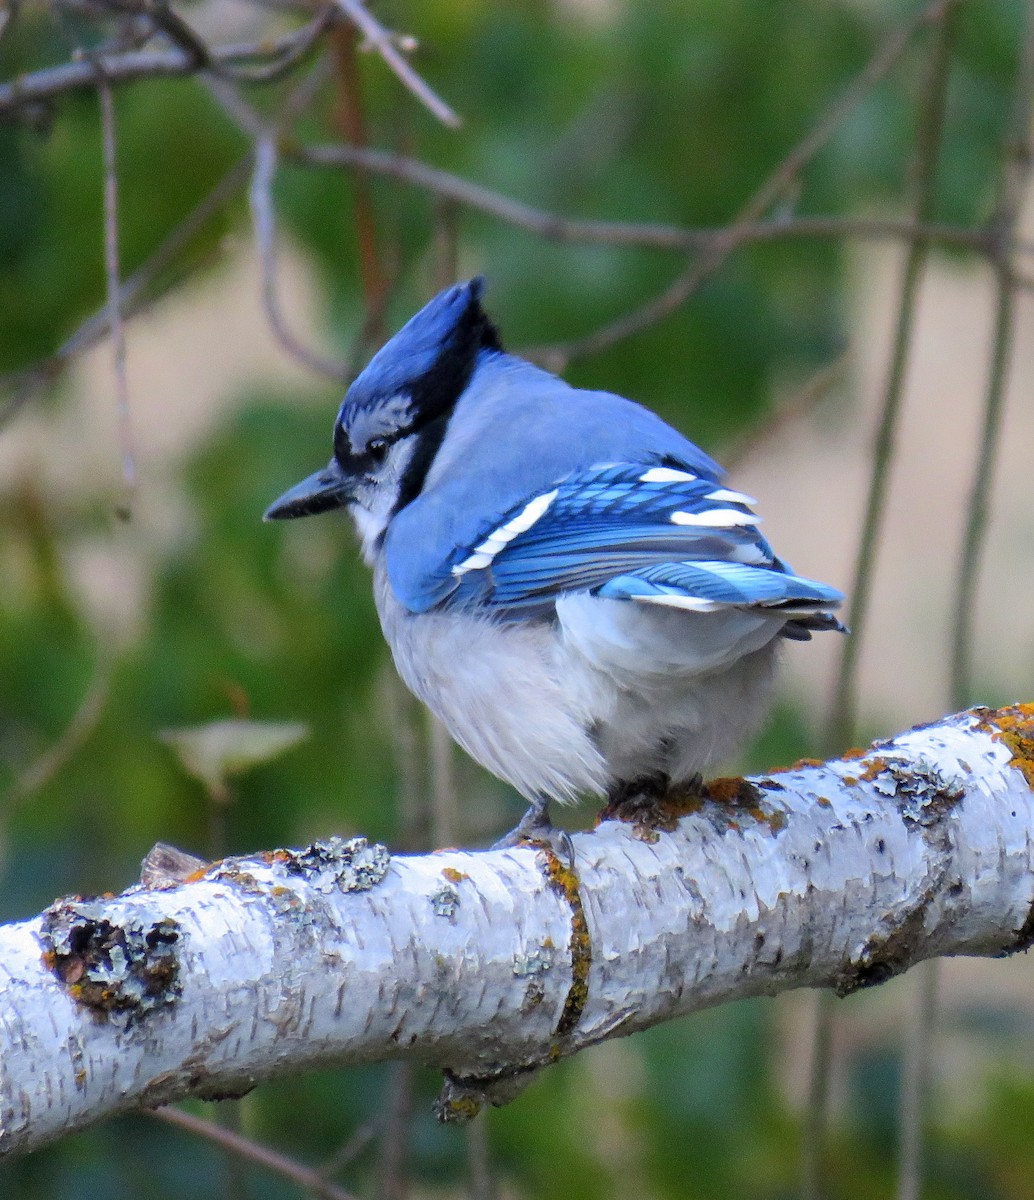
<point x="384" y="42"/>
<point x="350" y="118"/>
<point x="631" y="234"/>
<point x="494" y="964"/>
<point x="133" y="293"/>
<point x="841" y="723"/>
<point x="772" y="189"/>
<point x="271" y="60"/>
<point x="928" y="144"/>
<point x="264" y="221"/>
<point x="84" y="721"/>
<point x="310" y="1179"/>
<point x="1019" y="153"/>
<point x="807" y="398"/>
<point x="111" y="275"/>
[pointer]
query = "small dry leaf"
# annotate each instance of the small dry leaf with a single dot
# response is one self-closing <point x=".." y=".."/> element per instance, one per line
<point x="214" y="752"/>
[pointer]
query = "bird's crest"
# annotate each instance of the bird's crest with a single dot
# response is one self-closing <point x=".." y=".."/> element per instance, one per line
<point x="431" y="358"/>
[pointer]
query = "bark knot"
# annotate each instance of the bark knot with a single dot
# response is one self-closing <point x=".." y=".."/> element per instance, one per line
<point x="122" y="969"/>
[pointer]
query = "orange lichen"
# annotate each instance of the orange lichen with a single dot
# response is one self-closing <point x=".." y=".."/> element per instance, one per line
<point x="1015" y="727"/>
<point x="801" y="763"/>
<point x="854" y="752"/>
<point x="563" y="880"/>
<point x="728" y="789"/>
<point x="454" y="876"/>
<point x="874" y="767"/>
<point x="744" y="797"/>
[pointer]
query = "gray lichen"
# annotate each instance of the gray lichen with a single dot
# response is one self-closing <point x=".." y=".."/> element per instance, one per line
<point x="338" y="864"/>
<point x="445" y="900"/>
<point x="535" y="962"/>
<point x="923" y="791"/>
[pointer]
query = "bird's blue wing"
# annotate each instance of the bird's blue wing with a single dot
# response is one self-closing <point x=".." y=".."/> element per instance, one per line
<point x="652" y="535"/>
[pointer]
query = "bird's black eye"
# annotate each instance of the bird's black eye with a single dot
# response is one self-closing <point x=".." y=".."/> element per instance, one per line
<point x="377" y="449"/>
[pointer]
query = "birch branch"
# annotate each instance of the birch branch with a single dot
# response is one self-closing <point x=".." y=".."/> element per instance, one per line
<point x="494" y="964"/>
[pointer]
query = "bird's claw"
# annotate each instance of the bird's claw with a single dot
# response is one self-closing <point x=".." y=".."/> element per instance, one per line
<point x="536" y="827"/>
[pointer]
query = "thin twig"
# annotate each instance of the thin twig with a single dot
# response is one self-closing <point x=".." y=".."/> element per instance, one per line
<point x="253" y="1152"/>
<point x="384" y="42"/>
<point x="351" y="121"/>
<point x="280" y="58"/>
<point x="272" y="59"/>
<point x="1012" y="186"/>
<point x="74" y="736"/>
<point x="348" y="1151"/>
<point x="841" y="725"/>
<point x="7" y="17"/>
<point x="816" y="1113"/>
<point x="444" y="830"/>
<point x="393" y="1155"/>
<point x="479" y="1159"/>
<point x="264" y="221"/>
<point x="915" y="1079"/>
<point x="631" y="234"/>
<point x="807" y="398"/>
<point x="111" y="274"/>
<point x="133" y="293"/>
<point x="772" y="189"/>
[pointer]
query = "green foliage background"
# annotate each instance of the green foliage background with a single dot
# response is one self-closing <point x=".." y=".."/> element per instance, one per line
<point x="661" y="111"/>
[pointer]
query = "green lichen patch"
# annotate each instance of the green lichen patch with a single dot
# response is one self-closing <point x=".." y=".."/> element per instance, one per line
<point x="126" y="968"/>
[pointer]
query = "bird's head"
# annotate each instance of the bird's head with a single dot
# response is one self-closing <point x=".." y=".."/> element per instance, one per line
<point x="395" y="414"/>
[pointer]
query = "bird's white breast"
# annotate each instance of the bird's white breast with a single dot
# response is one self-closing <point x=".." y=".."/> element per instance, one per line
<point x="610" y="692"/>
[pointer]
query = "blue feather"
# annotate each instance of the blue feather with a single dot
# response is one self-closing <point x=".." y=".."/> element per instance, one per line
<point x="611" y="531"/>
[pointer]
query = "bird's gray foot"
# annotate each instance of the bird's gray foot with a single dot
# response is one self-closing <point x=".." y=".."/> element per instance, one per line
<point x="535" y="826"/>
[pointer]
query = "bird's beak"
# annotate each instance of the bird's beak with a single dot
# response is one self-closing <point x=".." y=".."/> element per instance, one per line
<point x="326" y="489"/>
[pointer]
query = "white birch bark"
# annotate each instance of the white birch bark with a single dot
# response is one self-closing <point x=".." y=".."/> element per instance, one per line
<point x="491" y="964"/>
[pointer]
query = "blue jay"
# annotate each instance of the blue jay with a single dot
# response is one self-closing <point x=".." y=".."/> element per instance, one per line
<point x="562" y="577"/>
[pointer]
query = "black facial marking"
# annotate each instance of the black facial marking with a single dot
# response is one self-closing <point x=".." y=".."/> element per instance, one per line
<point x="342" y="446"/>
<point x="438" y="389"/>
<point x="435" y="393"/>
<point x="422" y="406"/>
<point x="428" y="441"/>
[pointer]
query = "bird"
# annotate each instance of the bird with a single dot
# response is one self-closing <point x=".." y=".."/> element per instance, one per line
<point x="562" y="577"/>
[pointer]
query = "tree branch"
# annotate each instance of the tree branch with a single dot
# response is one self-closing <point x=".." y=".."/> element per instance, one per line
<point x="309" y="1178"/>
<point x="494" y="964"/>
<point x="384" y="42"/>
<point x="270" y="59"/>
<point x="643" y="235"/>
